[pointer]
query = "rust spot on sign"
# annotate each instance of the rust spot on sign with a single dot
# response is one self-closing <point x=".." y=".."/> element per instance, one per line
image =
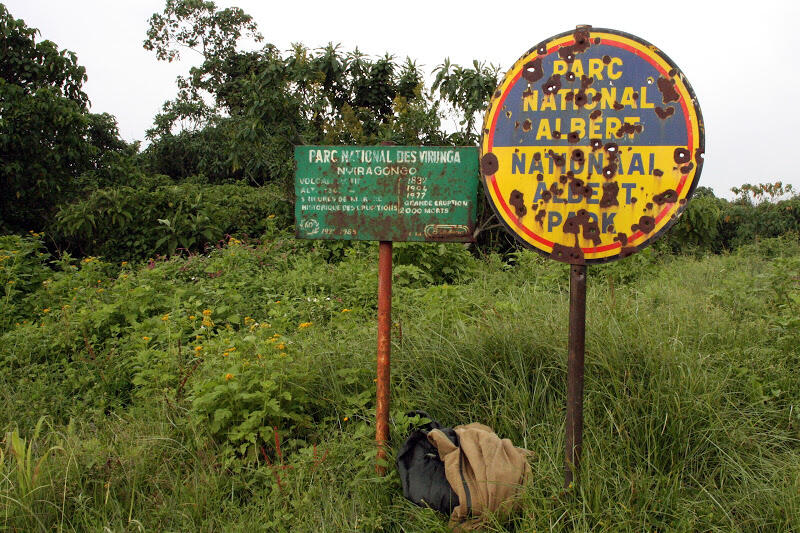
<point x="558" y="159"/>
<point x="609" y="171"/>
<point x="646" y="224"/>
<point x="610" y="192"/>
<point x="552" y="85"/>
<point x="527" y="125"/>
<point x="517" y="200"/>
<point x="681" y="155"/>
<point x="594" y="116"/>
<point x="668" y="91"/>
<point x="665" y="112"/>
<point x="489" y="164"/>
<point x="533" y="71"/>
<point x="567" y="254"/>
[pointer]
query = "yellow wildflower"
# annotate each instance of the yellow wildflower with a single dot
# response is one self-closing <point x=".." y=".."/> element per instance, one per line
<point x="206" y="312"/>
<point x="46" y="310"/>
<point x="225" y="354"/>
<point x="345" y="310"/>
<point x="145" y="339"/>
<point x="192" y="317"/>
<point x="124" y="263"/>
<point x="100" y="290"/>
<point x="281" y="346"/>
<point x="165" y="318"/>
<point x="228" y="377"/>
<point x="346" y="418"/>
<point x="271" y="217"/>
<point x="198" y="349"/>
<point x="305" y="325"/>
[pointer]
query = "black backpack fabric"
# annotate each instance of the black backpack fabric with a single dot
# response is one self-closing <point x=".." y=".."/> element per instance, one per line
<point x="422" y="472"/>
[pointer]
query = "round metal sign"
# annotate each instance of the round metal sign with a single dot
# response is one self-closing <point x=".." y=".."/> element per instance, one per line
<point x="591" y="146"/>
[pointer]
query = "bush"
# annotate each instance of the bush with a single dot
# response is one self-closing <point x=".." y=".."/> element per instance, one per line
<point x="135" y="223"/>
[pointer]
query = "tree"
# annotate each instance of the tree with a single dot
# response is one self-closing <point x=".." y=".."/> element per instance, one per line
<point x="47" y="135"/>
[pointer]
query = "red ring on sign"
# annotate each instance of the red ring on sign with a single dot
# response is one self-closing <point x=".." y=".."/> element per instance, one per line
<point x="490" y="144"/>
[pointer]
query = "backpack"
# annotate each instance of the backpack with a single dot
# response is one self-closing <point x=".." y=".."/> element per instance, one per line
<point x="422" y="471"/>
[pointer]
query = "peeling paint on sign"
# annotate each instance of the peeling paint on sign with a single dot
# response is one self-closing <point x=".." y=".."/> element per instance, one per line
<point x="604" y="150"/>
<point x="386" y="193"/>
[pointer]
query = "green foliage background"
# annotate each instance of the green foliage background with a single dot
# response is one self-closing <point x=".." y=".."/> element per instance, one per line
<point x="171" y="358"/>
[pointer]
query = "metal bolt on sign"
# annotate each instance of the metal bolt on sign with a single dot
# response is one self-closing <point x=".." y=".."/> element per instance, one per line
<point x="591" y="147"/>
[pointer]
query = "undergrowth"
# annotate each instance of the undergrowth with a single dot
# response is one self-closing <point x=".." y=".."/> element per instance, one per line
<point x="235" y="390"/>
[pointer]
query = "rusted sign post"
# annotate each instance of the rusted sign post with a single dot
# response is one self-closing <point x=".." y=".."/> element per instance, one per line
<point x="592" y="145"/>
<point x="384" y="349"/>
<point x="386" y="194"/>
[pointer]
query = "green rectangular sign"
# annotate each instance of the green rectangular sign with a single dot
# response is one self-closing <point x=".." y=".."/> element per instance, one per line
<point x="386" y="193"/>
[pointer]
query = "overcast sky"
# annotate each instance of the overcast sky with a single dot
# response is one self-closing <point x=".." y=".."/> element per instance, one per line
<point x="732" y="53"/>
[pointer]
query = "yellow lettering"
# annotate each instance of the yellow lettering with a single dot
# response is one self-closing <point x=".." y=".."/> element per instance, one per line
<point x="543" y="131"/>
<point x="563" y="95"/>
<point x="595" y="129"/>
<point x="611" y="74"/>
<point x="631" y="120"/>
<point x="596" y="68"/>
<point x="559" y="67"/>
<point x="577" y="68"/>
<point x="579" y="125"/>
<point x="530" y="103"/>
<point x="609" y="96"/>
<point x="548" y="103"/>
<point x="612" y="125"/>
<point x="643" y="103"/>
<point x="627" y="98"/>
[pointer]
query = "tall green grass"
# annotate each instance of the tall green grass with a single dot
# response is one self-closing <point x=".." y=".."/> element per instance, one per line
<point x="692" y="397"/>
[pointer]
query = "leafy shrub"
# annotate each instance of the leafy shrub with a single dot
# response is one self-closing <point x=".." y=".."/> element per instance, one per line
<point x="743" y="223"/>
<point x="126" y="223"/>
<point x="419" y="264"/>
<point x="23" y="268"/>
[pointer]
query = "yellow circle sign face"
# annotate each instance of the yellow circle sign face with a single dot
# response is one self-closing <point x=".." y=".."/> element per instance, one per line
<point x="591" y="146"/>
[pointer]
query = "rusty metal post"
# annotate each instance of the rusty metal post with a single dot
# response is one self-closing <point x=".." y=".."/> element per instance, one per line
<point x="384" y="349"/>
<point x="577" y="338"/>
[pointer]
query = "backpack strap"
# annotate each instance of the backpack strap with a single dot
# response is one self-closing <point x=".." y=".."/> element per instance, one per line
<point x="464" y="481"/>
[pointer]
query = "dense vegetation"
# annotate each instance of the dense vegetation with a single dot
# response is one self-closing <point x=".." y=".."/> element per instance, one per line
<point x="234" y="390"/>
<point x="171" y="358"/>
